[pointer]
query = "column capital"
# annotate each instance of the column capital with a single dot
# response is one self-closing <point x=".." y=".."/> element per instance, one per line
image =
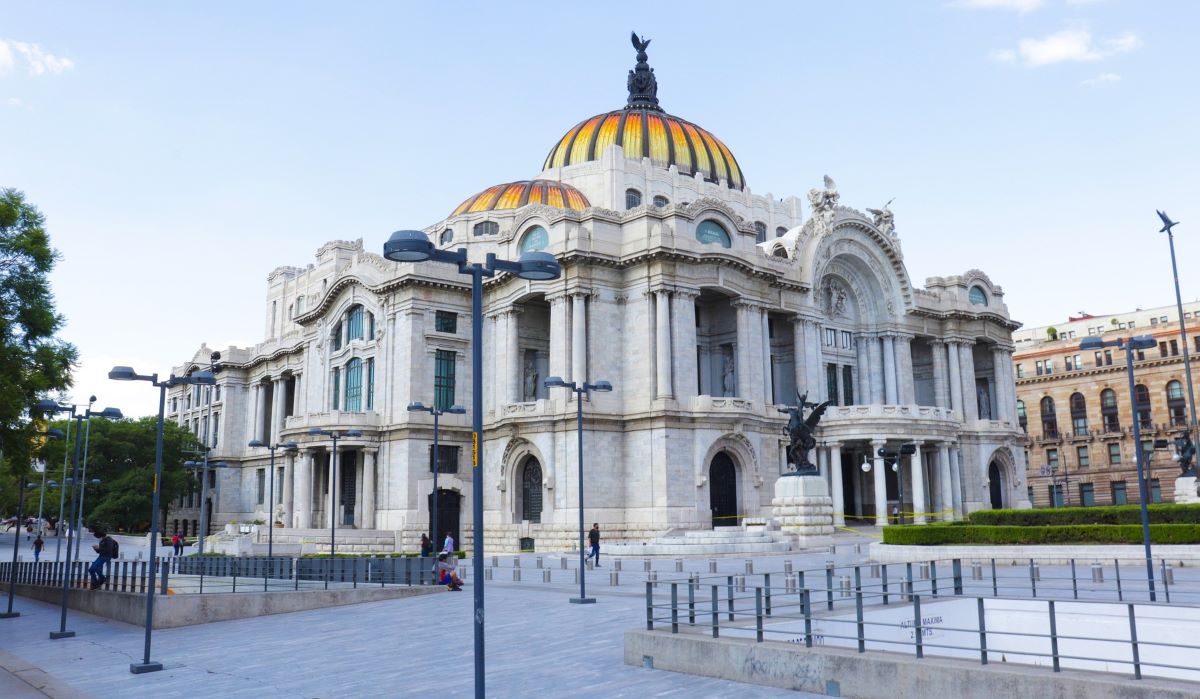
<point x="580" y="292"/>
<point x="749" y="304"/>
<point x="964" y="341"/>
<point x="877" y="444"/>
<point x="684" y="293"/>
<point x="554" y="297"/>
<point x="918" y="443"/>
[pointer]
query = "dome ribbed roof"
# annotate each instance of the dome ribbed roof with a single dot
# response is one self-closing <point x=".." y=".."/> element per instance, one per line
<point x="647" y="133"/>
<point x="514" y="195"/>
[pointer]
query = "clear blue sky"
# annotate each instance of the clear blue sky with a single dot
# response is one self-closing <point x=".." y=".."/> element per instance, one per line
<point x="181" y="151"/>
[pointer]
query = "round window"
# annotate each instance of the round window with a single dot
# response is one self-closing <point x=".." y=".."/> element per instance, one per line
<point x="534" y="239"/>
<point x="710" y="232"/>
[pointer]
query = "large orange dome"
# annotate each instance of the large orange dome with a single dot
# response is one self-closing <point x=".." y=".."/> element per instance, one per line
<point x="514" y="195"/>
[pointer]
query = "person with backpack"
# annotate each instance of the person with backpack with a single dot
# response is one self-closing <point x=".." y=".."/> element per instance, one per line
<point x="177" y="544"/>
<point x="107" y="549"/>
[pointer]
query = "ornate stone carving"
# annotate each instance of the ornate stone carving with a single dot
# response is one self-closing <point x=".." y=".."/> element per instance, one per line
<point x="833" y="295"/>
<point x="884" y="219"/>
<point x="823" y="202"/>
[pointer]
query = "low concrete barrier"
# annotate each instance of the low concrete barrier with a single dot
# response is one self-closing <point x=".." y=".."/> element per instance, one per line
<point x="171" y="611"/>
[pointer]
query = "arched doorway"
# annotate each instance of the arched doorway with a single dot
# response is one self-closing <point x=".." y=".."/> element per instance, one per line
<point x="531" y="491"/>
<point x="996" y="486"/>
<point x="722" y="491"/>
<point x="448" y="515"/>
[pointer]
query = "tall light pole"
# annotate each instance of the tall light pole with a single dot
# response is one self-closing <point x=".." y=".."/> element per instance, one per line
<point x="415" y="246"/>
<point x="891" y="459"/>
<point x="436" y="412"/>
<point x="12" y="572"/>
<point x="63" y="522"/>
<point x="335" y="435"/>
<point x="286" y="446"/>
<point x="213" y="368"/>
<point x="1168" y="224"/>
<point x="202" y="378"/>
<point x="202" y="467"/>
<point x="580" y="389"/>
<point x="1139" y="342"/>
<point x="42" y="494"/>
<point x="111" y="414"/>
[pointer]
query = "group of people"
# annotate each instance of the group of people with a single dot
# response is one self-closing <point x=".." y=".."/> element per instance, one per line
<point x="446" y="570"/>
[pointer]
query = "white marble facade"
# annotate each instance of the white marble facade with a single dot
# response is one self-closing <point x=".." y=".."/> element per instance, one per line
<point x="701" y="342"/>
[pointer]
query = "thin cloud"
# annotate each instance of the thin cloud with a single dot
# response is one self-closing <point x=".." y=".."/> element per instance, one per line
<point x="1020" y="6"/>
<point x="36" y="61"/>
<point x="1068" y="45"/>
<point x="15" y="102"/>
<point x="1102" y="79"/>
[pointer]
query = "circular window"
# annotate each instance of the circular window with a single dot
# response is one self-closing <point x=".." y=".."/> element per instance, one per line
<point x="977" y="296"/>
<point x="447" y="236"/>
<point x="534" y="239"/>
<point x="710" y="232"/>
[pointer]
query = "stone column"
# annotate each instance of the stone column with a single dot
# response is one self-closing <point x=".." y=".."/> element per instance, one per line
<point x="260" y="410"/>
<point x="863" y="396"/>
<point x="288" y="485"/>
<point x="515" y="374"/>
<point x="956" y="476"/>
<point x="799" y="354"/>
<point x="579" y="338"/>
<point x="941" y="398"/>
<point x="889" y="370"/>
<point x="302" y="479"/>
<point x="744" y="316"/>
<point x="999" y="386"/>
<point x="815" y="362"/>
<point x="918" y="483"/>
<point x="906" y="390"/>
<point x="835" y="484"/>
<point x="768" y="375"/>
<point x="875" y="354"/>
<point x="560" y="323"/>
<point x="877" y="468"/>
<point x="966" y="369"/>
<point x="956" y="383"/>
<point x="662" y="344"/>
<point x="368" y="496"/>
<point x="945" y="482"/>
<point x="683" y="343"/>
<point x="278" y="409"/>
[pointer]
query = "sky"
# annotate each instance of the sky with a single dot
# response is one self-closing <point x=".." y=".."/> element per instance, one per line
<point x="181" y="151"/>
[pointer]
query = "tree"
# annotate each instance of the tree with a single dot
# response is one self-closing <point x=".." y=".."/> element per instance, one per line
<point x="33" y="362"/>
<point x="121" y="455"/>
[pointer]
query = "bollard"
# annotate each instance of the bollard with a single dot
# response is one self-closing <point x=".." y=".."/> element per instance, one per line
<point x="516" y="574"/>
<point x="1169" y="575"/>
<point x="546" y="575"/>
<point x="1097" y="572"/>
<point x="653" y="578"/>
<point x="495" y="561"/>
<point x="591" y="565"/>
<point x="787" y="567"/>
<point x="906" y="588"/>
<point x="646" y="565"/>
<point x="831" y="549"/>
<point x="539" y="561"/>
<point x="976" y="570"/>
<point x="844" y="586"/>
<point x="562" y="563"/>
<point x="858" y="549"/>
<point x="923" y="569"/>
<point x="789" y="583"/>
<point x="487" y="573"/>
<point x="712" y="565"/>
<point x="612" y="578"/>
<point x="739" y="582"/>
<point x="1036" y="571"/>
<point x="576" y="575"/>
<point x="749" y="566"/>
<point x="516" y="562"/>
<point x="616" y="564"/>
<point x="678" y="565"/>
<point x="874" y="570"/>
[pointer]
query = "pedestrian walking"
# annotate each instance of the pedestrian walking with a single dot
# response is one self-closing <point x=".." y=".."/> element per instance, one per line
<point x="177" y="544"/>
<point x="38" y="545"/>
<point x="426" y="547"/>
<point x="448" y="545"/>
<point x="106" y="550"/>
<point x="594" y="542"/>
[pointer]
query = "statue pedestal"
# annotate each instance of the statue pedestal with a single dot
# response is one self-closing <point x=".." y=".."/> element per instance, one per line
<point x="1185" y="490"/>
<point x="802" y="506"/>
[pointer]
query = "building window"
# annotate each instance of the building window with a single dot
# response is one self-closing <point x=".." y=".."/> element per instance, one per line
<point x="1142" y="394"/>
<point x="1118" y="493"/>
<point x="1056" y="495"/>
<point x="847" y="385"/>
<point x="443" y="379"/>
<point x="1087" y="497"/>
<point x="1052" y="458"/>
<point x="261" y="475"/>
<point x="1174" y="348"/>
<point x="335" y="337"/>
<point x="760" y="232"/>
<point x="447" y="461"/>
<point x="1114" y="453"/>
<point x="371" y="383"/>
<point x="445" y="322"/>
<point x="1020" y="371"/>
<point x="830" y="337"/>
<point x="1022" y="418"/>
<point x="335" y="378"/>
<point x="780" y="232"/>
<point x="1079" y="414"/>
<point x="447" y="236"/>
<point x="217" y="392"/>
<point x="831" y="376"/>
<point x="633" y="198"/>
<point x="1040" y="367"/>
<point x="710" y="232"/>
<point x="1154" y="321"/>
<point x="1082" y="458"/>
<point x="1175" y="403"/>
<point x="660" y="201"/>
<point x="1049" y="418"/>
<point x="1162" y="349"/>
<point x="847" y="339"/>
<point x="535" y="239"/>
<point x="486" y="228"/>
<point x="1108" y="410"/>
<point x="977" y="296"/>
<point x="354" y="385"/>
<point x="1155" y="491"/>
<point x="354" y="323"/>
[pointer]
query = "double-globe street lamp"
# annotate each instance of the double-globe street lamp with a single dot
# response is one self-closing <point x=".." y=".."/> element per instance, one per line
<point x="201" y="378"/>
<point x="891" y="459"/>
<point x="290" y="447"/>
<point x="436" y="412"/>
<point x="111" y="414"/>
<point x="1139" y="342"/>
<point x="210" y="435"/>
<point x="580" y="391"/>
<point x="49" y="407"/>
<point x="12" y="572"/>
<point x="202" y="468"/>
<point x="415" y="246"/>
<point x="335" y="435"/>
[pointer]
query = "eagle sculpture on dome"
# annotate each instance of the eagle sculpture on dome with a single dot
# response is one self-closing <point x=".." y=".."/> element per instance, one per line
<point x="640" y="45"/>
<point x="642" y="85"/>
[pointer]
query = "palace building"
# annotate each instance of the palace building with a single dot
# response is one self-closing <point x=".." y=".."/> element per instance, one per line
<point x="707" y="306"/>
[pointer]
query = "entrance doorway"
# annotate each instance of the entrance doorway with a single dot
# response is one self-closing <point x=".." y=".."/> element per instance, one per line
<point x="722" y="489"/>
<point x="348" y="472"/>
<point x="996" y="486"/>
<point x="448" y="513"/>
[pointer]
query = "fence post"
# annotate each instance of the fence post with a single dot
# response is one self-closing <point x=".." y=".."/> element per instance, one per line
<point x="1133" y="642"/>
<point x="1117" y="572"/>
<point x="296" y="573"/>
<point x="649" y="606"/>
<point x="995" y="589"/>
<point x="1166" y="584"/>
<point x="982" y="633"/>
<point x="1074" y="581"/>
<point x="715" y="598"/>
<point x="829" y="584"/>
<point x="885" y="584"/>
<point x="692" y="581"/>
<point x="1053" y="636"/>
<point x="806" y="607"/>
<point x="674" y="607"/>
<point x="917" y="632"/>
<point x="729" y="597"/>
<point x="235" y="572"/>
<point x="858" y="609"/>
<point x="1033" y="577"/>
<point x="758" y="614"/>
<point x="767" y="585"/>
<point x="165" y="570"/>
<point x="933" y="577"/>
<point x="956" y="571"/>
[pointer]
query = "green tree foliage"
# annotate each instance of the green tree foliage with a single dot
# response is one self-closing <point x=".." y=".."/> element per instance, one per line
<point x="121" y="455"/>
<point x="33" y="362"/>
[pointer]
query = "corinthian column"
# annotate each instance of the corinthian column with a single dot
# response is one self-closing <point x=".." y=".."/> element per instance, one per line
<point x="918" y="484"/>
<point x="302" y="482"/>
<point x="940" y="396"/>
<point x="368" y="496"/>
<point x="956" y="382"/>
<point x="560" y="324"/>
<point x="889" y="370"/>
<point x="683" y="343"/>
<point x="514" y="356"/>
<point x="662" y="344"/>
<point x="877" y="469"/>
<point x="579" y="338"/>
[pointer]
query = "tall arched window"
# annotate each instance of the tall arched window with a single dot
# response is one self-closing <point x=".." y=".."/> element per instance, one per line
<point x="1175" y="403"/>
<point x="354" y="323"/>
<point x="633" y="198"/>
<point x="531" y="491"/>
<point x="1078" y="414"/>
<point x="1108" y="410"/>
<point x="710" y="232"/>
<point x="353" y="402"/>
<point x="1144" y="408"/>
<point x="534" y="239"/>
<point x="1049" y="419"/>
<point x="760" y="232"/>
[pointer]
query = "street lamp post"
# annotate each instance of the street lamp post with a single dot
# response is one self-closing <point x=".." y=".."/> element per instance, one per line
<point x="63" y="522"/>
<point x="111" y="414"/>
<point x="1140" y="342"/>
<point x="891" y="459"/>
<point x="42" y="494"/>
<point x="286" y="446"/>
<point x="580" y="391"/>
<point x="335" y="435"/>
<point x="437" y="457"/>
<point x="209" y="436"/>
<point x="12" y="572"/>
<point x="1168" y="224"/>
<point x="124" y="373"/>
<point x="202" y="467"/>
<point x="415" y="246"/>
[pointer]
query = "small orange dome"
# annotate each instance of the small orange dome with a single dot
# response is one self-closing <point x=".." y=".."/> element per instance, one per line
<point x="514" y="195"/>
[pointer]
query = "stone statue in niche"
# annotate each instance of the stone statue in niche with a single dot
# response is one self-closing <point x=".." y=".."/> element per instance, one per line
<point x="531" y="377"/>
<point x="885" y="221"/>
<point x="727" y="382"/>
<point x="985" y="402"/>
<point x="835" y="299"/>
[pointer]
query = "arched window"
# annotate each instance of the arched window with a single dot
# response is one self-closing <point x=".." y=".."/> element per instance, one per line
<point x="353" y="402"/>
<point x="760" y="232"/>
<point x="1175" y="403"/>
<point x="447" y="236"/>
<point x="1022" y="418"/>
<point x="534" y="239"/>
<point x="1078" y="414"/>
<point x="977" y="296"/>
<point x="354" y="323"/>
<point x="531" y="491"/>
<point x="780" y="251"/>
<point x="486" y="228"/>
<point x="661" y="201"/>
<point x="710" y="232"/>
<point x="335" y="337"/>
<point x="633" y="198"/>
<point x="1049" y="419"/>
<point x="1143" y="407"/>
<point x="1108" y="410"/>
<point x="780" y="232"/>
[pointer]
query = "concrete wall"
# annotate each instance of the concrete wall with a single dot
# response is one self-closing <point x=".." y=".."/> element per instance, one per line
<point x="884" y="675"/>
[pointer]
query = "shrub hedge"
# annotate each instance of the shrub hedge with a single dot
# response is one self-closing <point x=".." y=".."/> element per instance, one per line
<point x="939" y="534"/>
<point x="1162" y="513"/>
